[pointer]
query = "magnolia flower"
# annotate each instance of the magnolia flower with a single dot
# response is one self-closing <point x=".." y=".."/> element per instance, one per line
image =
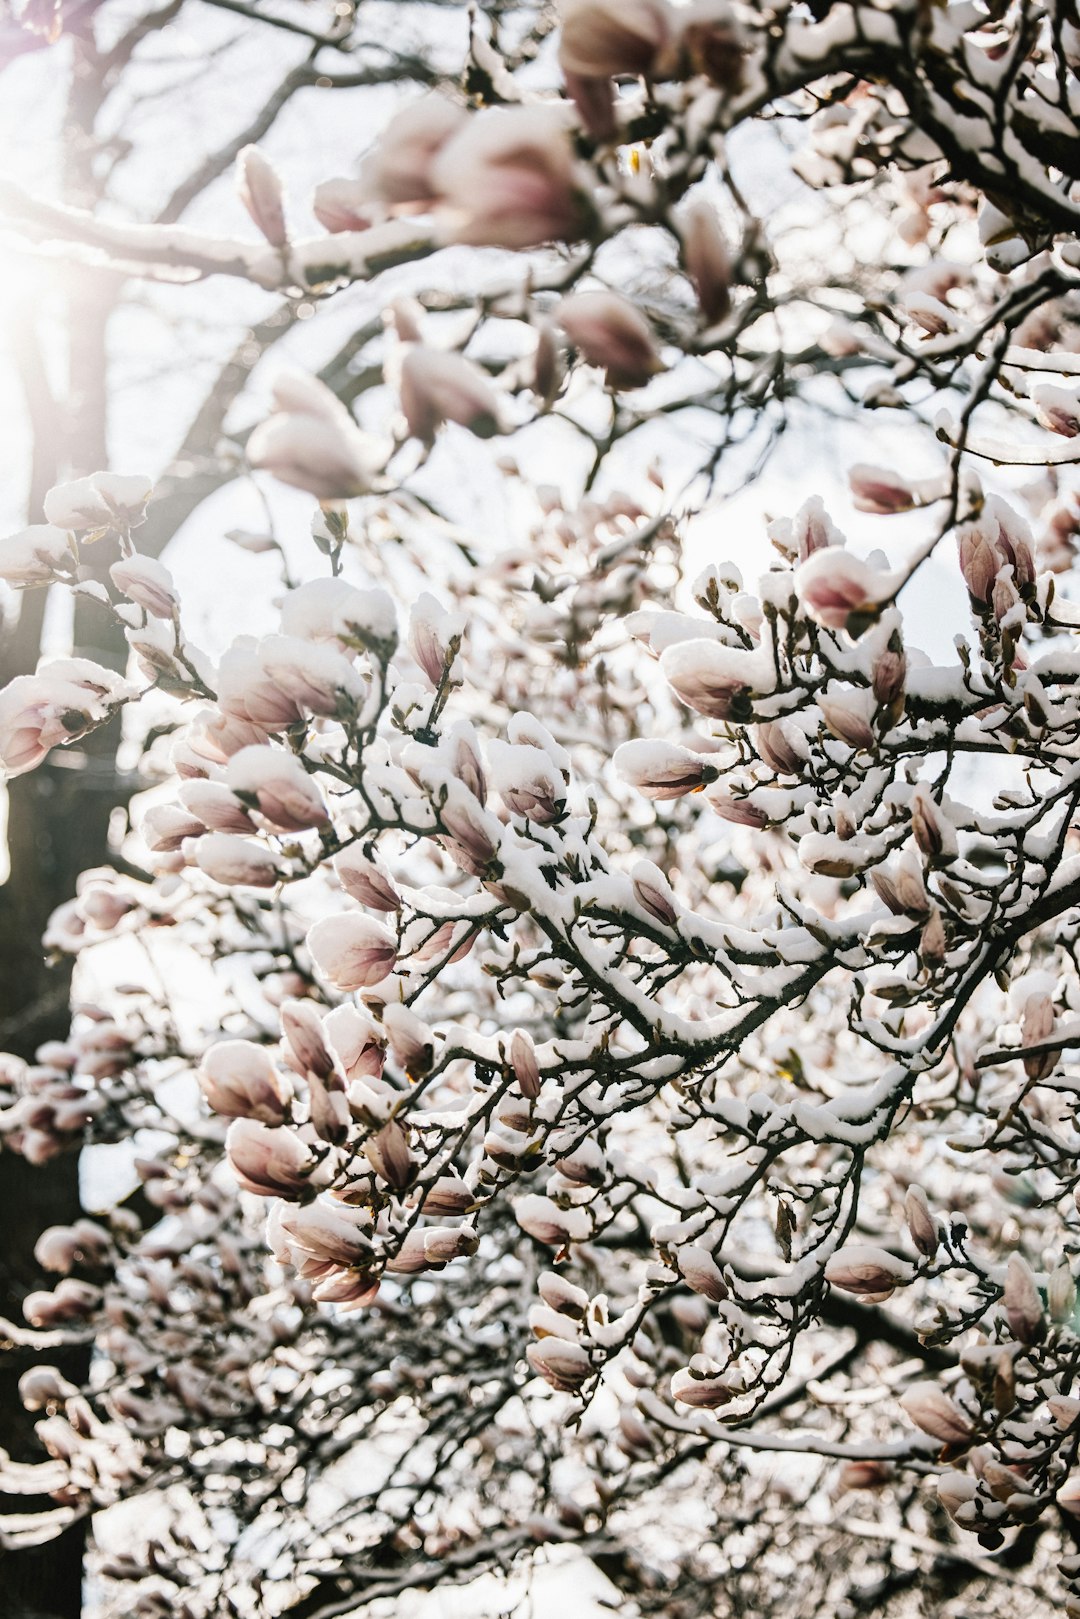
<point x="931" y="1410"/>
<point x="508" y="178"/>
<point x="104" y="500"/>
<point x="662" y="770"/>
<point x="341" y="205"/>
<point x="842" y="592"/>
<point x="311" y="677"/>
<point x="847" y="714"/>
<point x="165" y="827"/>
<point x="433" y="636"/>
<point x="920" y="1222"/>
<point x="238" y="1078"/>
<point x="365" y="880"/>
<point x="933" y="831"/>
<point x="869" y="1272"/>
<point x="247" y="692"/>
<point x="399" y="171"/>
<point x="260" y="190"/>
<point x="277" y="784"/>
<point x="875" y="489"/>
<point x="716" y="680"/>
<point x="234" y="861"/>
<point x="527" y="780"/>
<point x="524" y="1063"/>
<point x="311" y="441"/>
<point x="353" y="952"/>
<point x="701" y="1272"/>
<point x="690" y="1387"/>
<point x="358" y="1046"/>
<point x="388" y="1153"/>
<point x="438" y="386"/>
<point x="653" y="893"/>
<point x="706" y="257"/>
<point x="1023" y="1305"/>
<point x="564" y="1365"/>
<point x="1057" y="408"/>
<point x="304" y="1039"/>
<point x="271" y="1162"/>
<point x="410" y="1038"/>
<point x="609" y="38"/>
<point x="609" y="332"/>
<point x="1036" y="1027"/>
<point x="326" y="1232"/>
<point x="548" y="1223"/>
<point x="35" y="555"/>
<point x="147" y="583"/>
<point x="60" y="703"/>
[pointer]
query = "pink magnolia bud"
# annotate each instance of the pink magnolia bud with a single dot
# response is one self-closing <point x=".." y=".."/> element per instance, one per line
<point x="701" y="1272"/>
<point x="875" y="489"/>
<point x="956" y="1491"/>
<point x="388" y="1154"/>
<point x="932" y="830"/>
<point x="920" y="1222"/>
<point x="841" y="591"/>
<point x="303" y="1033"/>
<point x="561" y="1295"/>
<point x="366" y="880"/>
<point x="276" y="783"/>
<point x="864" y="1475"/>
<point x="266" y="1161"/>
<point x="1057" y="408"/>
<point x="444" y="1243"/>
<point x="148" y="584"/>
<point x="890" y="674"/>
<point x="716" y="680"/>
<point x="235" y="862"/>
<point x="1023" y="1305"/>
<point x="605" y="39"/>
<point x="847" y="715"/>
<point x="548" y="1223"/>
<point x="316" y="677"/>
<point x="566" y="1366"/>
<point x="215" y="806"/>
<point x="449" y="1196"/>
<point x="469" y="839"/>
<point x="868" y="1272"/>
<point x="527" y="780"/>
<point x="61" y="702"/>
<point x="326" y="1232"/>
<point x="260" y="191"/>
<point x="1036" y="1027"/>
<point x="524" y="1063"/>
<point x="653" y="893"/>
<point x="781" y="747"/>
<point x="434" y="637"/>
<point x="609" y="332"/>
<point x="662" y="770"/>
<point x="238" y="1079"/>
<point x="437" y="387"/>
<point x="399" y="171"/>
<point x="508" y="178"/>
<point x="166" y="826"/>
<point x="707" y="258"/>
<point x="466" y="761"/>
<point x="353" y="952"/>
<point x="356" y="1041"/>
<point x="690" y="1387"/>
<point x="932" y="940"/>
<point x="312" y="442"/>
<point x="35" y="555"/>
<point x="411" y="1040"/>
<point x="930" y="1409"/>
<point x="103" y="500"/>
<point x="979" y="560"/>
<point x="341" y="205"/>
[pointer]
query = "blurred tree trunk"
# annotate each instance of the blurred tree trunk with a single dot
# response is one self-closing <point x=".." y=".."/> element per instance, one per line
<point x="58" y="821"/>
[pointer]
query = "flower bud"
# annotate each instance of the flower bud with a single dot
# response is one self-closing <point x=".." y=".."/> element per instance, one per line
<point x="235" y="862"/>
<point x="930" y="1409"/>
<point x="270" y="1162"/>
<point x="662" y="770"/>
<point x="609" y="332"/>
<point x="238" y="1079"/>
<point x="352" y="952"/>
<point x="868" y="1272"/>
<point x="260" y="191"/>
<point x="147" y="583"/>
<point x="1023" y="1305"/>
<point x="523" y="1061"/>
<point x="566" y="1366"/>
<point x="920" y="1222"/>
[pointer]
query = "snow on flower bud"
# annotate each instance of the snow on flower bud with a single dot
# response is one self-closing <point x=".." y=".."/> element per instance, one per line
<point x="1061" y="1292"/>
<point x="920" y="1222"/>
<point x="260" y="190"/>
<point x="847" y="714"/>
<point x="103" y="500"/>
<point x="930" y="1409"/>
<point x="979" y="560"/>
<point x="653" y="893"/>
<point x="931" y="828"/>
<point x="875" y="489"/>
<point x="239" y="1080"/>
<point x="411" y="1039"/>
<point x="841" y="591"/>
<point x="870" y="1273"/>
<point x="219" y="809"/>
<point x="662" y="770"/>
<point x="35" y="555"/>
<point x="60" y="703"/>
<point x="527" y="780"/>
<point x="780" y="747"/>
<point x="146" y="582"/>
<point x="1023" y="1305"/>
<point x="311" y="442"/>
<point x="690" y="1387"/>
<point x="366" y="880"/>
<point x="341" y="205"/>
<point x="438" y="386"/>
<point x="707" y="257"/>
<point x="304" y="1038"/>
<point x="387" y="1152"/>
<point x="889" y="677"/>
<point x="444" y="1243"/>
<point x="268" y="1161"/>
<point x="235" y="861"/>
<point x="543" y="1219"/>
<point x="610" y="332"/>
<point x="434" y="636"/>
<point x="276" y="783"/>
<point x="524" y="1063"/>
<point x="701" y="1272"/>
<point x="716" y="680"/>
<point x="611" y="38"/>
<point x="1036" y="1027"/>
<point x="508" y="178"/>
<point x="956" y="1490"/>
<point x="352" y="952"/>
<point x="1057" y="408"/>
<point x="566" y="1366"/>
<point x="399" y="171"/>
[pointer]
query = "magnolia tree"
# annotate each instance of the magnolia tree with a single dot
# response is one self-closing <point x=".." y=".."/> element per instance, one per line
<point x="630" y="1107"/>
